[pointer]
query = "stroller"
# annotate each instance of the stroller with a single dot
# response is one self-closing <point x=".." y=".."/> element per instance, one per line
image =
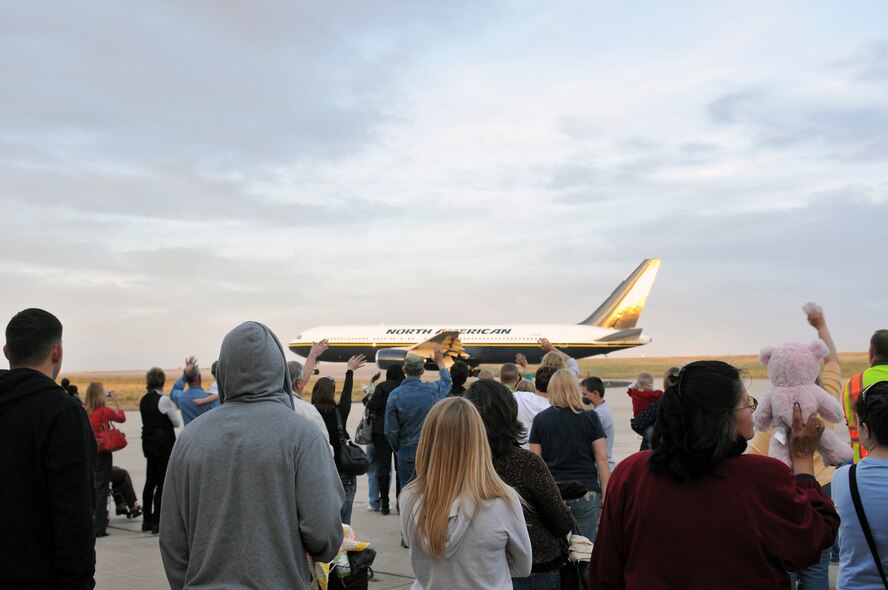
<point x="350" y="569"/>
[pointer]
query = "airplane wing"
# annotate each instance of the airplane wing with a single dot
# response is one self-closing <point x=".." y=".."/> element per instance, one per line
<point x="449" y="342"/>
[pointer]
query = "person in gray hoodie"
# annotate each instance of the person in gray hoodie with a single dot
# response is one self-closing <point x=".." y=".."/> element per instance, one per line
<point x="251" y="486"/>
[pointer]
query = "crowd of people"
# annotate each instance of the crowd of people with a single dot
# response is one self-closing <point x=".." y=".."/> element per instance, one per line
<point x="490" y="475"/>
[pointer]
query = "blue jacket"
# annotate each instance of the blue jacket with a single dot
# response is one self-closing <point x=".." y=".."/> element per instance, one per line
<point x="184" y="399"/>
<point x="407" y="408"/>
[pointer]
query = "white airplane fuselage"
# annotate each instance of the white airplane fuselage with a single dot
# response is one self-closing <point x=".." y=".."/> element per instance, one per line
<point x="483" y="343"/>
<point x="611" y="327"/>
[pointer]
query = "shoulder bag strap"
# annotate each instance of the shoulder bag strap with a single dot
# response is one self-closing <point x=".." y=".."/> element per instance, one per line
<point x="861" y="515"/>
<point x="343" y="437"/>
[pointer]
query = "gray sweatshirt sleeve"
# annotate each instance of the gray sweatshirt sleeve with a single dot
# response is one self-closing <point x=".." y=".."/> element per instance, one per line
<point x="518" y="546"/>
<point x="319" y="497"/>
<point x="173" y="538"/>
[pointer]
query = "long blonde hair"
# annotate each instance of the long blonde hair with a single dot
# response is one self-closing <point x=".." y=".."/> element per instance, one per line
<point x="95" y="397"/>
<point x="564" y="391"/>
<point x="452" y="461"/>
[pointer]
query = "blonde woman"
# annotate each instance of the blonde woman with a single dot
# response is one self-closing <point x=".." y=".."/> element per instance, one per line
<point x="557" y="359"/>
<point x="465" y="527"/>
<point x="570" y="439"/>
<point x="100" y="416"/>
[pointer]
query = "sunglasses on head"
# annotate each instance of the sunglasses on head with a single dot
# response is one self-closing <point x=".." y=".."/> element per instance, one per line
<point x="870" y="386"/>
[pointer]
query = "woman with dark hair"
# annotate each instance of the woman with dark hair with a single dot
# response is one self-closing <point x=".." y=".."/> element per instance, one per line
<point x="459" y="374"/>
<point x="159" y="421"/>
<point x="384" y="453"/>
<point x="857" y="566"/>
<point x="695" y="512"/>
<point x="546" y="514"/>
<point x="323" y="397"/>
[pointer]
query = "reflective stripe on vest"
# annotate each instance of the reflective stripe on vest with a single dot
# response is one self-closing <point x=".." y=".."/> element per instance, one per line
<point x="852" y="390"/>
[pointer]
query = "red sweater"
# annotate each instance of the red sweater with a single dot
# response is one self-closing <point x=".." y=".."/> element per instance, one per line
<point x="642" y="399"/>
<point x="742" y="527"/>
<point x="101" y="417"/>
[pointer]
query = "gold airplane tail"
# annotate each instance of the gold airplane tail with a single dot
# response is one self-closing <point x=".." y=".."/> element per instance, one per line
<point x="621" y="310"/>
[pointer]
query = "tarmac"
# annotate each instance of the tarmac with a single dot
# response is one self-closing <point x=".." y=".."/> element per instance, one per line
<point x="130" y="559"/>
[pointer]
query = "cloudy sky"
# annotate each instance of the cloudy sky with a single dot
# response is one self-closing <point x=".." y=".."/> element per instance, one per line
<point x="170" y="169"/>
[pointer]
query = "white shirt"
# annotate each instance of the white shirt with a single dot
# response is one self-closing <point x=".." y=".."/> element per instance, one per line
<point x="607" y="423"/>
<point x="529" y="405"/>
<point x="166" y="406"/>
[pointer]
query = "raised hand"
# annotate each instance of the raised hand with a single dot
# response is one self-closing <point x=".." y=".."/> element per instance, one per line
<point x="318" y="348"/>
<point x="815" y="315"/>
<point x="375" y="377"/>
<point x="356" y="362"/>
<point x="521" y="360"/>
<point x="439" y="357"/>
<point x="546" y="345"/>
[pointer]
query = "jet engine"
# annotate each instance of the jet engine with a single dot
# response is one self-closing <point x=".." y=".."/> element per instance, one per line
<point x="387" y="357"/>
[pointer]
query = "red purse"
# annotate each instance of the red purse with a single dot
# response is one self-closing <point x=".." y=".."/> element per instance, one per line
<point x="110" y="439"/>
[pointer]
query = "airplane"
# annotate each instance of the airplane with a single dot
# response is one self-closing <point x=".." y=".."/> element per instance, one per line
<point x="611" y="327"/>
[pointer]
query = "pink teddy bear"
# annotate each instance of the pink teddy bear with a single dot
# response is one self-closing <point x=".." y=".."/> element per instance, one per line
<point x="793" y="368"/>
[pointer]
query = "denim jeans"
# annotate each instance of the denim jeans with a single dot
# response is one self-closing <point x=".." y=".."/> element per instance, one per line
<point x="406" y="466"/>
<point x="538" y="581"/>
<point x="585" y="511"/>
<point x="372" y="484"/>
<point x="814" y="577"/>
<point x="350" y="485"/>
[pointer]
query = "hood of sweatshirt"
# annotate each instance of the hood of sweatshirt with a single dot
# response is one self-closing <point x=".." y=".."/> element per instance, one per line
<point x="17" y="384"/>
<point x="252" y="367"/>
<point x="462" y="511"/>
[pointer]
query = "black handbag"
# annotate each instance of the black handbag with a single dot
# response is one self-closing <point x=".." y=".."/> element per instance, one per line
<point x="364" y="433"/>
<point x="352" y="458"/>
<point x="573" y="573"/>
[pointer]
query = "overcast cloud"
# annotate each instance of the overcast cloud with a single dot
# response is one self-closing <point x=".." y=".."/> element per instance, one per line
<point x="169" y="170"/>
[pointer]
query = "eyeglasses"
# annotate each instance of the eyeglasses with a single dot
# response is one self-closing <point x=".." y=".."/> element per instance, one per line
<point x="751" y="404"/>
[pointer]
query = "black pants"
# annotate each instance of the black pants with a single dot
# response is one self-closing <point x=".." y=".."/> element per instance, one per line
<point x="103" y="479"/>
<point x="121" y="482"/>
<point x="155" y="473"/>
<point x="384" y="455"/>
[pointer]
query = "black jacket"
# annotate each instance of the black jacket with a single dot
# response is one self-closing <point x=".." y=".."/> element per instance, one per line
<point x="47" y="495"/>
<point x="158" y="434"/>
<point x="376" y="405"/>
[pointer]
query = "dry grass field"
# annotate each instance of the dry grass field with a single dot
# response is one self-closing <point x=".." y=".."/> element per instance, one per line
<point x="130" y="385"/>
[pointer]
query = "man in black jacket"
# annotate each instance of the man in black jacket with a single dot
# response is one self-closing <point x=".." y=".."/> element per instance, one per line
<point x="384" y="454"/>
<point x="47" y="464"/>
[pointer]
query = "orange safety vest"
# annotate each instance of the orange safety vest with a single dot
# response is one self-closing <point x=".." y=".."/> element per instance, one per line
<point x="853" y="386"/>
<point x="850" y="393"/>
